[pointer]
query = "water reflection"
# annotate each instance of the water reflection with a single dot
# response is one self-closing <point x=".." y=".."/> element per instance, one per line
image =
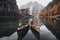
<point x="31" y="25"/>
<point x="49" y="21"/>
<point x="53" y="24"/>
<point x="7" y="29"/>
<point x="45" y="34"/>
<point x="14" y="36"/>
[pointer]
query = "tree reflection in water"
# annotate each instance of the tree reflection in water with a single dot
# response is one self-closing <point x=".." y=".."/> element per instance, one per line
<point x="53" y="24"/>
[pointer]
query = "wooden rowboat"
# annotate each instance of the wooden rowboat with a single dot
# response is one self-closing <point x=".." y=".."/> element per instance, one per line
<point x="36" y="30"/>
<point x="22" y="31"/>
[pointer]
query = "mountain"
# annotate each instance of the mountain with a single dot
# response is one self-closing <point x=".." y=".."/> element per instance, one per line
<point x="26" y="5"/>
<point x="36" y="7"/>
<point x="52" y="9"/>
<point x="9" y="10"/>
<point x="9" y="17"/>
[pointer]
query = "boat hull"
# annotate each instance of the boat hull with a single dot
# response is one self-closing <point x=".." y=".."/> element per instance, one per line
<point x="22" y="32"/>
<point x="36" y="33"/>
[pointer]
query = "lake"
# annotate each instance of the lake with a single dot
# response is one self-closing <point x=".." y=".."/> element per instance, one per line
<point x="49" y="28"/>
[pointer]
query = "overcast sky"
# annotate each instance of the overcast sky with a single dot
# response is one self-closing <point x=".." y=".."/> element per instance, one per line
<point x="42" y="2"/>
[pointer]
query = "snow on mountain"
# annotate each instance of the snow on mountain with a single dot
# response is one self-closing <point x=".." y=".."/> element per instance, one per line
<point x="36" y="7"/>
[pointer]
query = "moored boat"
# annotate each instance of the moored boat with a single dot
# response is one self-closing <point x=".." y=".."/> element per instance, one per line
<point x="22" y="31"/>
<point x="36" y="30"/>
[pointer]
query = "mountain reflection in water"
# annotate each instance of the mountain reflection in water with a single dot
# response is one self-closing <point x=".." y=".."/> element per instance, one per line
<point x="8" y="28"/>
<point x="53" y="24"/>
<point x="45" y="34"/>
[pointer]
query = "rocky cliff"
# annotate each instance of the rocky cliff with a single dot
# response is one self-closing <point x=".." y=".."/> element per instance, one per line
<point x="52" y="9"/>
<point x="9" y="15"/>
<point x="53" y="24"/>
<point x="9" y="10"/>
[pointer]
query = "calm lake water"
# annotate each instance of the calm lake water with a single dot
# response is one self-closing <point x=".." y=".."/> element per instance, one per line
<point x="8" y="32"/>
